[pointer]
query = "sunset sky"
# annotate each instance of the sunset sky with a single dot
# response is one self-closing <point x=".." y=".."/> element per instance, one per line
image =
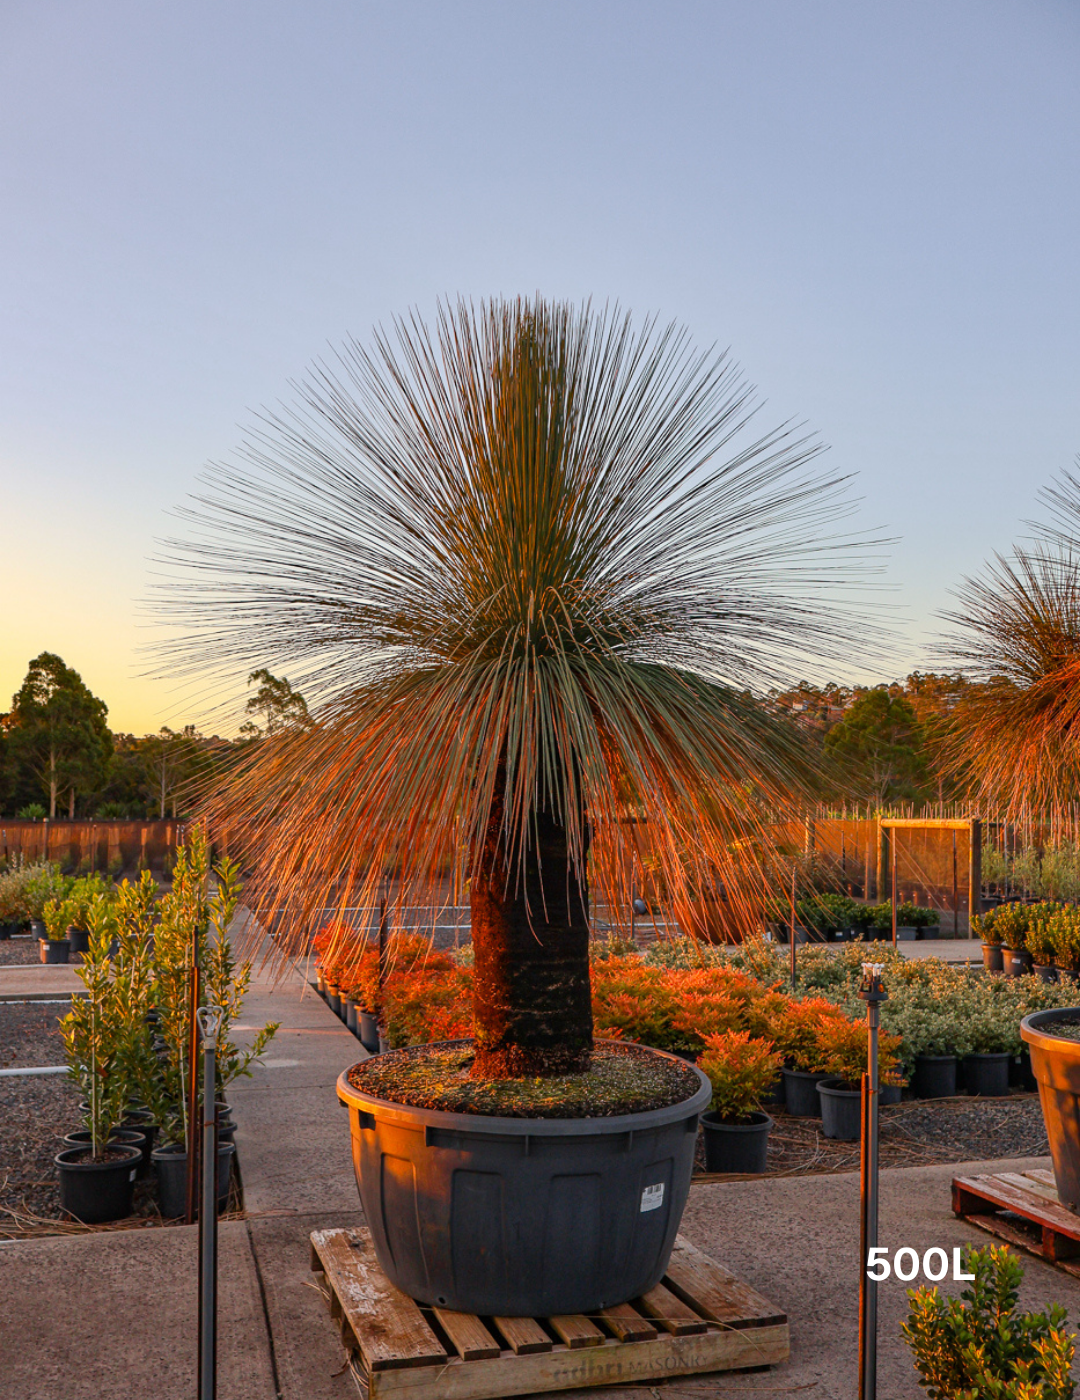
<point x="877" y="207"/>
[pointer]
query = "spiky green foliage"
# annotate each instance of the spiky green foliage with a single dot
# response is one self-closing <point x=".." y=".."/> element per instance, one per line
<point x="538" y="549"/>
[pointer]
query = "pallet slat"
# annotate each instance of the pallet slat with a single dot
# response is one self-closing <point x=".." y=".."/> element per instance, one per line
<point x="576" y="1331"/>
<point x="627" y="1323"/>
<point x="1037" y="1221"/>
<point x="672" y="1313"/>
<point x="468" y="1334"/>
<point x="714" y="1293"/>
<point x="523" y="1335"/>
<point x="388" y="1327"/>
<point x="1006" y="1195"/>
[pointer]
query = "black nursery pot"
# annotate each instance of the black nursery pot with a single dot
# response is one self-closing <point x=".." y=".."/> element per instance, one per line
<point x="987" y="1075"/>
<point x="992" y="960"/>
<point x="841" y="1110"/>
<point x="96" y="1192"/>
<point x="736" y="1147"/>
<point x="368" y="1031"/>
<point x="934" y="1077"/>
<point x="800" y="1093"/>
<point x="1046" y="972"/>
<point x="54" y="950"/>
<point x="1015" y="963"/>
<point x="170" y="1164"/>
<point x="78" y="939"/>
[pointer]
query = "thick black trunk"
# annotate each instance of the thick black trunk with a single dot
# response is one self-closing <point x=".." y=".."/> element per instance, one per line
<point x="533" y="1004"/>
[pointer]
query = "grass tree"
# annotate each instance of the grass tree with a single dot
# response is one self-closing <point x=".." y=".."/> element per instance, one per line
<point x="529" y="567"/>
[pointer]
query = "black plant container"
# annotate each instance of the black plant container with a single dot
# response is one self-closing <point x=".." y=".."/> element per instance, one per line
<point x="78" y="939"/>
<point x="736" y="1147"/>
<point x="522" y="1217"/>
<point x="1015" y="962"/>
<point x="97" y="1192"/>
<point x="934" y="1077"/>
<point x="800" y="1093"/>
<point x="170" y="1164"/>
<point x="1046" y="972"/>
<point x="992" y="959"/>
<point x="54" y="950"/>
<point x="368" y="1031"/>
<point x="987" y="1075"/>
<point x="841" y="1110"/>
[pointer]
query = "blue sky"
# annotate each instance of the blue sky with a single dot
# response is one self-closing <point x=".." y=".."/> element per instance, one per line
<point x="875" y="206"/>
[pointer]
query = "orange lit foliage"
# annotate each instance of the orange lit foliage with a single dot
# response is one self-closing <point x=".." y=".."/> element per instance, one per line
<point x="842" y="1049"/>
<point x="742" y="1069"/>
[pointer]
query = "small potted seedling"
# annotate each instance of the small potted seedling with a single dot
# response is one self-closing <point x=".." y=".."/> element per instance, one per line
<point x="55" y="947"/>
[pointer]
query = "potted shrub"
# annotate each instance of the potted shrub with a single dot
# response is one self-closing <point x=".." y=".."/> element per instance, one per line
<point x="1041" y="946"/>
<point x="55" y="947"/>
<point x="990" y="1042"/>
<point x="985" y="926"/>
<point x="97" y="1178"/>
<point x="521" y="671"/>
<point x="797" y="1036"/>
<point x="842" y="1046"/>
<point x="1013" y="921"/>
<point x="929" y="1038"/>
<point x="1063" y="925"/>
<point x="741" y="1070"/>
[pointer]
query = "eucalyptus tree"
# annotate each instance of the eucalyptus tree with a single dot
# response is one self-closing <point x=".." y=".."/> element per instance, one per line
<point x="530" y="567"/>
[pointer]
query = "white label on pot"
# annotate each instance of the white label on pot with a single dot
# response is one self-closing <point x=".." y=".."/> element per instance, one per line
<point x="131" y="1175"/>
<point x="652" y="1198"/>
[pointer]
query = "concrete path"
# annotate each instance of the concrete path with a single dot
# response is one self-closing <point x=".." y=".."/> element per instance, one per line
<point x="39" y="982"/>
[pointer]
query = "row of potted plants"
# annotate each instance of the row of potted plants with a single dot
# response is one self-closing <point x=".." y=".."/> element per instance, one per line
<point x="1042" y="938"/>
<point x="127" y="1040"/>
<point x="823" y="916"/>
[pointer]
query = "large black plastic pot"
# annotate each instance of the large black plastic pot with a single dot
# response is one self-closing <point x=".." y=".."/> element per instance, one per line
<point x="841" y="1110"/>
<point x="1055" y="1063"/>
<point x="368" y="1031"/>
<point x="800" y="1093"/>
<point x="992" y="957"/>
<point x="522" y="1217"/>
<point x="1015" y="962"/>
<point x="95" y="1192"/>
<point x="736" y="1147"/>
<point x="54" y="950"/>
<point x="934" y="1077"/>
<point x="170" y="1164"/>
<point x="987" y="1075"/>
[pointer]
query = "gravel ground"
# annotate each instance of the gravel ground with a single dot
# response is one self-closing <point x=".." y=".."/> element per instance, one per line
<point x="918" y="1133"/>
<point x="15" y="951"/>
<point x="29" y="1034"/>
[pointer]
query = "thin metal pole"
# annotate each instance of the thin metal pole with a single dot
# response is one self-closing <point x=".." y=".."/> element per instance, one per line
<point x="791" y="930"/>
<point x="873" y="993"/>
<point x="192" y="1201"/>
<point x="892" y="853"/>
<point x="955" y="892"/>
<point x="209" y="1019"/>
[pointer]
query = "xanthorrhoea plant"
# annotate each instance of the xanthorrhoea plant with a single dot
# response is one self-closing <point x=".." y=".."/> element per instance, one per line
<point x="529" y="566"/>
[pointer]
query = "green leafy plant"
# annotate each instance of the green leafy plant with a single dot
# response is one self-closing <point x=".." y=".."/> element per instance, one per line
<point x="32" y="812"/>
<point x="1013" y="922"/>
<point x="985" y="926"/>
<point x="57" y="915"/>
<point x="1064" y="934"/>
<point x="95" y="1039"/>
<point x="978" y="1347"/>
<point x="741" y="1070"/>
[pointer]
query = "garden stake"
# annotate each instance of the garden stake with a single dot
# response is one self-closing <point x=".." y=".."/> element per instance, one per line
<point x="892" y="852"/>
<point x="209" y="1020"/>
<point x="791" y="931"/>
<point x="192" y="1201"/>
<point x="873" y="993"/>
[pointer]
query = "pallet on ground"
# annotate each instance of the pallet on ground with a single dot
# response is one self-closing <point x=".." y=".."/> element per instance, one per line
<point x="1022" y="1208"/>
<point x="699" y="1319"/>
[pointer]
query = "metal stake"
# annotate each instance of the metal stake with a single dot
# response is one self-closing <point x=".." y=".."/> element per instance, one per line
<point x="892" y="852"/>
<point x="873" y="993"/>
<point x="191" y="1204"/>
<point x="209" y="1019"/>
<point x="791" y="931"/>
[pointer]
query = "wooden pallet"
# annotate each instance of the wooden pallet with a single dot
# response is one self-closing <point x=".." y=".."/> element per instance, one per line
<point x="700" y="1318"/>
<point x="1023" y="1208"/>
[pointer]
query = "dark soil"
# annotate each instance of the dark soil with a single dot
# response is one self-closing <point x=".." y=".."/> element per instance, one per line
<point x="623" y="1079"/>
<point x="1065" y="1029"/>
<point x="29" y="1034"/>
<point x="918" y="1133"/>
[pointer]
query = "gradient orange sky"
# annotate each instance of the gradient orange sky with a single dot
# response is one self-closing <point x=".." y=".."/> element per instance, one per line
<point x="874" y="206"/>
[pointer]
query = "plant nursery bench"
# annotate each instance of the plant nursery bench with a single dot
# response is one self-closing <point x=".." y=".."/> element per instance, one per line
<point x="700" y="1318"/>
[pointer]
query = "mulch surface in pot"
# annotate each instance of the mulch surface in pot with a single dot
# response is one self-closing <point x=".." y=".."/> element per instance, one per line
<point x="1066" y="1029"/>
<point x="919" y="1133"/>
<point x="30" y="1034"/>
<point x="623" y="1079"/>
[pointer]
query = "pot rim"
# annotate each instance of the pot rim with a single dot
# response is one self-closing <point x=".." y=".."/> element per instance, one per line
<point x="529" y="1127"/>
<point x="815" y="1074"/>
<point x="989" y="1055"/>
<point x="713" y="1120"/>
<point x="831" y="1085"/>
<point x="1030" y="1030"/>
<point x="173" y="1149"/>
<point x="130" y="1158"/>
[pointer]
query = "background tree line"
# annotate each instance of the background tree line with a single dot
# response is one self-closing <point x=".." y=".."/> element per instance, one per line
<point x="58" y="757"/>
